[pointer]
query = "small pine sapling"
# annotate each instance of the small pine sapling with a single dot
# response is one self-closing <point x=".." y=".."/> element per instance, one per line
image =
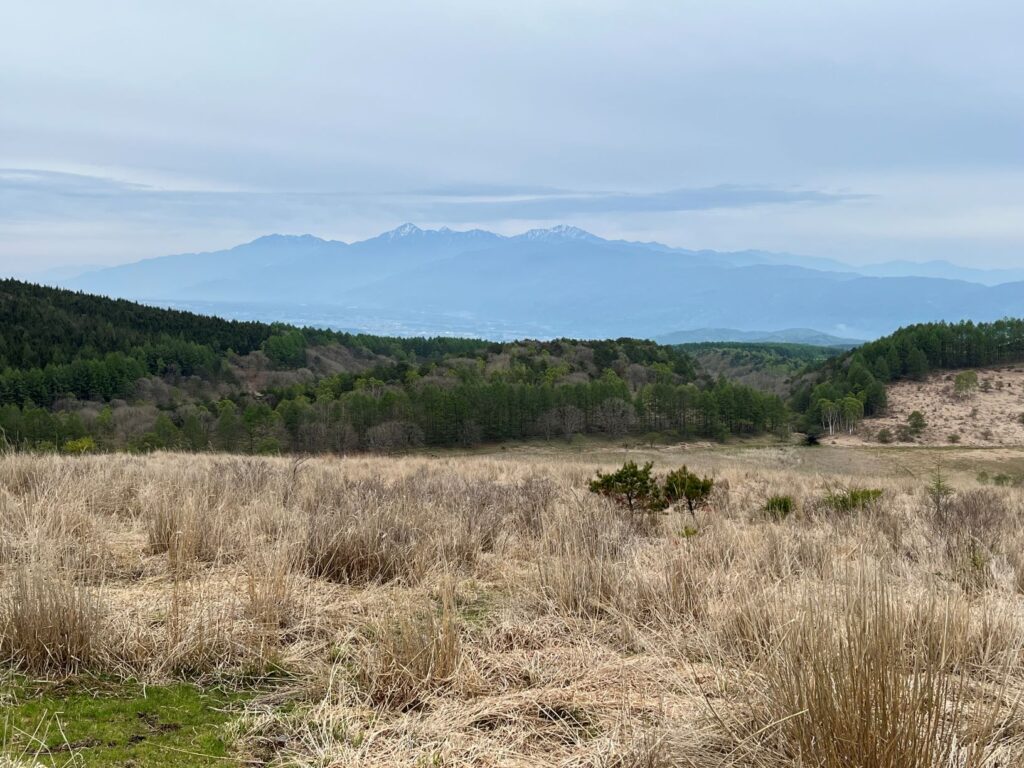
<point x="632" y="487"/>
<point x="682" y="485"/>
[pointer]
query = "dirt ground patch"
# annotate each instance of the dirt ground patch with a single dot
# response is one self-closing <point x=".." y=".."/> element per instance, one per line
<point x="989" y="416"/>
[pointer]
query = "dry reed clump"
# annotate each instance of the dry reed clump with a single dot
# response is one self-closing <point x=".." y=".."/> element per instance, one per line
<point x="49" y="624"/>
<point x="407" y="652"/>
<point x="976" y="525"/>
<point x="193" y="522"/>
<point x="369" y="530"/>
<point x="478" y="611"/>
<point x="862" y="679"/>
<point x="272" y="602"/>
<point x="60" y="529"/>
<point x="197" y="635"/>
<point x="665" y="588"/>
<point x="580" y="568"/>
<point x="369" y="541"/>
<point x="581" y="583"/>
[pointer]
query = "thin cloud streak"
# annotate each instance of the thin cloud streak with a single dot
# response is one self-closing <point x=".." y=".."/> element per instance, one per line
<point x="62" y="196"/>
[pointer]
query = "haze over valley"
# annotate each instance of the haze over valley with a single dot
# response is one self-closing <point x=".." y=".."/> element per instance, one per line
<point x="558" y="281"/>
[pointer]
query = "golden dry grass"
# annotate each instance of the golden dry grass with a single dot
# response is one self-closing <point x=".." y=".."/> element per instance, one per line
<point x="487" y="610"/>
<point x="990" y="416"/>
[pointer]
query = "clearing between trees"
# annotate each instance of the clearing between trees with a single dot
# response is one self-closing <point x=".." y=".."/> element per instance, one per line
<point x="988" y="412"/>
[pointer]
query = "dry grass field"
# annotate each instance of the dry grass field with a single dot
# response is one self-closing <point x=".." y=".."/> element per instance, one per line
<point x="477" y="610"/>
<point x="989" y="416"/>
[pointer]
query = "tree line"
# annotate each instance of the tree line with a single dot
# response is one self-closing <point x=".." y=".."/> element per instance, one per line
<point x="383" y="417"/>
<point x="80" y="372"/>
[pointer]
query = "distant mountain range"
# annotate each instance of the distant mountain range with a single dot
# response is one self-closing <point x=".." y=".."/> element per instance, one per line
<point x="561" y="281"/>
<point x="786" y="336"/>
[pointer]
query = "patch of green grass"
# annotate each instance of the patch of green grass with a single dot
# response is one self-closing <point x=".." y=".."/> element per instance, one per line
<point x="90" y="722"/>
<point x="478" y="609"/>
<point x="851" y="499"/>
<point x="779" y="507"/>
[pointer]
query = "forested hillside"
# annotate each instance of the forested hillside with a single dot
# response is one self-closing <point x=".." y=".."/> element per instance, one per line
<point x="80" y="372"/>
<point x="768" y="366"/>
<point x="851" y="387"/>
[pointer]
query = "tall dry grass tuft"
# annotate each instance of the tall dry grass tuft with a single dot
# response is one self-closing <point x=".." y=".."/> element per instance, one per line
<point x="199" y="633"/>
<point x="60" y="529"/>
<point x="850" y="685"/>
<point x="410" y="651"/>
<point x="581" y="583"/>
<point x="271" y="600"/>
<point x="48" y="622"/>
<point x="374" y="544"/>
<point x="185" y="526"/>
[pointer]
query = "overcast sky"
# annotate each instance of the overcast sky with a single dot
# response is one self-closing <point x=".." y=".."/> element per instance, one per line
<point x="859" y="129"/>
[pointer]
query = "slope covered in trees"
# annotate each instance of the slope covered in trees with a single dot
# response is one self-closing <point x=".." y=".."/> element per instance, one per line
<point x="853" y="386"/>
<point x="57" y="343"/>
<point x="80" y="372"/>
<point x="768" y="366"/>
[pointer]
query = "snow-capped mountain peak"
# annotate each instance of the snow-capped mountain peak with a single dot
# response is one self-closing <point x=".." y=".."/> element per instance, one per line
<point x="560" y="232"/>
<point x="406" y="230"/>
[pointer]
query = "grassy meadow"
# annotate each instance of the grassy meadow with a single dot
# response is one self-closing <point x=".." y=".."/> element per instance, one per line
<point x="477" y="609"/>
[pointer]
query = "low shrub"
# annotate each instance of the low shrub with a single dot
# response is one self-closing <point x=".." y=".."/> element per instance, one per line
<point x="904" y="434"/>
<point x="852" y="499"/>
<point x="916" y="422"/>
<point x="779" y="507"/>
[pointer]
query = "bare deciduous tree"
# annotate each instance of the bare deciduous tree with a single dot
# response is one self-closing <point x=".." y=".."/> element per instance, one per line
<point x="565" y="420"/>
<point x="615" y="416"/>
<point x="393" y="436"/>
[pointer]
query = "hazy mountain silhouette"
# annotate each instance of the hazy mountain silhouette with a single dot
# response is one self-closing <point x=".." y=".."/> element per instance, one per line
<point x="561" y="281"/>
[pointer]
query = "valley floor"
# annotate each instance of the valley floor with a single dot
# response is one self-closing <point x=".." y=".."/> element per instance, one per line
<point x="478" y="609"/>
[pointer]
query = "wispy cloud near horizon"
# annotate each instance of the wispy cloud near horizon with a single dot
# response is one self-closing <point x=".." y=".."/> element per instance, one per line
<point x="862" y="130"/>
<point x="55" y="199"/>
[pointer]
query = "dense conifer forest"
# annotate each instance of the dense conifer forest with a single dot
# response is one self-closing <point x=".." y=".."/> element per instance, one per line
<point x="81" y="373"/>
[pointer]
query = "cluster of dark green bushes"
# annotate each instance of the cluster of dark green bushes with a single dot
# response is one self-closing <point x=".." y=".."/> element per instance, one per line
<point x="637" y="489"/>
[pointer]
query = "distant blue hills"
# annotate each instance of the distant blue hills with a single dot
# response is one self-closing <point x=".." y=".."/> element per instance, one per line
<point x="561" y="281"/>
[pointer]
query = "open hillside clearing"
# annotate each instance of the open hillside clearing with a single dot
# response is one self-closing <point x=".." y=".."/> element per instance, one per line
<point x="486" y="609"/>
<point x="989" y="415"/>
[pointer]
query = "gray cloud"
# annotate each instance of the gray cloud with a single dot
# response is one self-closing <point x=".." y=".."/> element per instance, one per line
<point x="684" y="120"/>
<point x="50" y="196"/>
<point x="560" y="206"/>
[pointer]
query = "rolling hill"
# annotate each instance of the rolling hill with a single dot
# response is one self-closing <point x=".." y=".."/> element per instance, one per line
<point x="81" y="372"/>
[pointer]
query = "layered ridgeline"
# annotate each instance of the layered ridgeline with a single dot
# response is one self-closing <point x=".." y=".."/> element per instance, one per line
<point x="81" y="372"/>
<point x="851" y="387"/>
<point x="557" y="282"/>
<point x="767" y="366"/>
